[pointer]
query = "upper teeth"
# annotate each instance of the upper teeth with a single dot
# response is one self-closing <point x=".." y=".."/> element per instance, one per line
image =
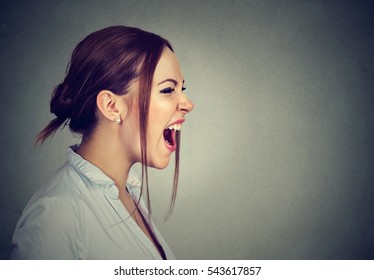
<point x="176" y="126"/>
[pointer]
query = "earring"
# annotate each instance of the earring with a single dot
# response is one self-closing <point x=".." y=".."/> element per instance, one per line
<point x="117" y="120"/>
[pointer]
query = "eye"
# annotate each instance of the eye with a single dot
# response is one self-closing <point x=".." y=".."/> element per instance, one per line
<point x="167" y="90"/>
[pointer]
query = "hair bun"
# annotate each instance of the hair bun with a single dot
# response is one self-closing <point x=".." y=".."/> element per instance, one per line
<point x="61" y="103"/>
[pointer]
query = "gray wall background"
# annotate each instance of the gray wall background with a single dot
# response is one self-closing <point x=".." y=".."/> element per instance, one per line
<point x="277" y="157"/>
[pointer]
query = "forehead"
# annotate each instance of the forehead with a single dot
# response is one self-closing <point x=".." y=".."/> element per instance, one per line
<point x="168" y="67"/>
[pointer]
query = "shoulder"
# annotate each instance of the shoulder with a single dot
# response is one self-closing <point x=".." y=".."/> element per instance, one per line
<point x="61" y="196"/>
<point x="56" y="211"/>
<point x="48" y="229"/>
<point x="50" y="225"/>
<point x="65" y="186"/>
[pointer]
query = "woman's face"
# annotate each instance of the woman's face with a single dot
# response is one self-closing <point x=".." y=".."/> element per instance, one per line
<point x="167" y="110"/>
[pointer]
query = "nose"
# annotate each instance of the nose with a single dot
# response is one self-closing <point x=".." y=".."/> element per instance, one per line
<point x="185" y="105"/>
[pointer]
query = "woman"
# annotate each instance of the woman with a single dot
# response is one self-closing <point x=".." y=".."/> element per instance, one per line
<point x="123" y="93"/>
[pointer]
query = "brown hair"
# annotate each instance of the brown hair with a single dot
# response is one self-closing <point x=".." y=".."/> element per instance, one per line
<point x="109" y="59"/>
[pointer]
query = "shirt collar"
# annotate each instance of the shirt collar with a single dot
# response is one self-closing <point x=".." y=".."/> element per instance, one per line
<point x="86" y="168"/>
<point x="97" y="176"/>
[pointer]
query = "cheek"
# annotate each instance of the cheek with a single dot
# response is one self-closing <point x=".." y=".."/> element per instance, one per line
<point x="156" y="109"/>
<point x="156" y="123"/>
<point x="162" y="109"/>
<point x="160" y="113"/>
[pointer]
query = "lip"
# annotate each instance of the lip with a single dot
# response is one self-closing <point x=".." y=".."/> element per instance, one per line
<point x="180" y="121"/>
<point x="172" y="148"/>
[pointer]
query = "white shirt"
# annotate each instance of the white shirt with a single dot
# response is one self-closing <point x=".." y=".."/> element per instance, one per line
<point x="78" y="215"/>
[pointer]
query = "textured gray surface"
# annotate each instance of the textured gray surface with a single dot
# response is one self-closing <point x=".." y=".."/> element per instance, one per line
<point x="277" y="157"/>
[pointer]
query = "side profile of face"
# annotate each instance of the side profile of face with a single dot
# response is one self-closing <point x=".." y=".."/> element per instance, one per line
<point x="167" y="111"/>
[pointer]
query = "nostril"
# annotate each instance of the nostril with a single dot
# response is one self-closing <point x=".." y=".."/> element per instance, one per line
<point x="185" y="108"/>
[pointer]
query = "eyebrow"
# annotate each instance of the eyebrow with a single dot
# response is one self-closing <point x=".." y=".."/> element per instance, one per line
<point x="169" y="80"/>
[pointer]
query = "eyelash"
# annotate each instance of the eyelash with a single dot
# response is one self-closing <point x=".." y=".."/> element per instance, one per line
<point x="170" y="90"/>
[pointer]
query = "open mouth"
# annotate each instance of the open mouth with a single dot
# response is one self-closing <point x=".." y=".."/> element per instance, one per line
<point x="169" y="136"/>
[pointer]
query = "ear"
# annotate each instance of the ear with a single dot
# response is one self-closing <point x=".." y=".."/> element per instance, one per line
<point x="110" y="105"/>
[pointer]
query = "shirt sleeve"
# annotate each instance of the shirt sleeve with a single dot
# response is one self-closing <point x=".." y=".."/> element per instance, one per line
<point x="49" y="229"/>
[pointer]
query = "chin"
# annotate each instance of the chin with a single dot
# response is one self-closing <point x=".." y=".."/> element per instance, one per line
<point x="160" y="164"/>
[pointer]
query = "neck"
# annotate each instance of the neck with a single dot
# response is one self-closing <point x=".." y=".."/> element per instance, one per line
<point x="103" y="153"/>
